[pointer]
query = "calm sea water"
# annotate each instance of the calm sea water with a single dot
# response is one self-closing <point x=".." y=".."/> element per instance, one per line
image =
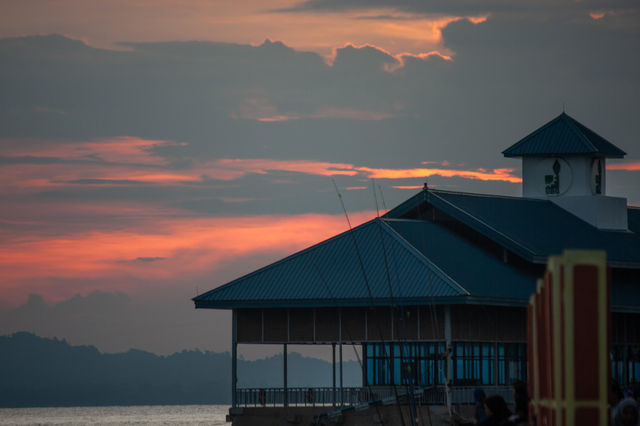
<point x="117" y="415"/>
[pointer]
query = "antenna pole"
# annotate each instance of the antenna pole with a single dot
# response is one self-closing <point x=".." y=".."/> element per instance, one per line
<point x="375" y="196"/>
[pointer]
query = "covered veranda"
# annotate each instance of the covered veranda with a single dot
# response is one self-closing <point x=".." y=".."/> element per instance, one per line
<point x="432" y="354"/>
<point x="420" y="332"/>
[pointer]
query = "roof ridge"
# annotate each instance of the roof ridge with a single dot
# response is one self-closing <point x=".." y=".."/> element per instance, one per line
<point x="486" y="225"/>
<point x="571" y="122"/>
<point x="410" y="201"/>
<point x="473" y="194"/>
<point x="599" y="138"/>
<point x="418" y="254"/>
<point x="535" y="132"/>
<point x="563" y="135"/>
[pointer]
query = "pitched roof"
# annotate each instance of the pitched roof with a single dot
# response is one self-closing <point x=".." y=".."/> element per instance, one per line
<point x="532" y="228"/>
<point x="420" y="262"/>
<point x="563" y="136"/>
<point x="486" y="278"/>
<point x="362" y="267"/>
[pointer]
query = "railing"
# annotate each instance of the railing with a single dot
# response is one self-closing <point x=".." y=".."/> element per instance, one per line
<point x="327" y="396"/>
<point x="258" y="397"/>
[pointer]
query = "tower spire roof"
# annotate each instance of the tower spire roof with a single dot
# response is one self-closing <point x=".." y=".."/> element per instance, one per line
<point x="563" y="136"/>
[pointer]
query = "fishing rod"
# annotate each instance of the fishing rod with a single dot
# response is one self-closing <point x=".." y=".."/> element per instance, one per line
<point x="349" y="335"/>
<point x="391" y="299"/>
<point x="366" y="281"/>
<point x="434" y="315"/>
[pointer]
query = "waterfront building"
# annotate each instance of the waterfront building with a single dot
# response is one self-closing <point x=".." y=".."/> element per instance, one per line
<point x="435" y="291"/>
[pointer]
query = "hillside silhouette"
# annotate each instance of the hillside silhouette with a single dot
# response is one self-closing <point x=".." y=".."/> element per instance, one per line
<point x="39" y="371"/>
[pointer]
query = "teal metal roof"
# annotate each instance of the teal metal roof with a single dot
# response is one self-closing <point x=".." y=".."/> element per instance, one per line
<point x="534" y="228"/>
<point x="486" y="278"/>
<point x="420" y="262"/>
<point x="563" y="136"/>
<point x="633" y="219"/>
<point x="363" y="267"/>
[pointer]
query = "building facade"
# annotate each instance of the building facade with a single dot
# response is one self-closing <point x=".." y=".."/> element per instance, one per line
<point x="435" y="291"/>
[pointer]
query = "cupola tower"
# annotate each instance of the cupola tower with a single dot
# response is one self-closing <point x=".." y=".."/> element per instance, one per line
<point x="564" y="162"/>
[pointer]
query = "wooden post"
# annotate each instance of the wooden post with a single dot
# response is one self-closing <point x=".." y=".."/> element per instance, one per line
<point x="449" y="348"/>
<point x="286" y="391"/>
<point x="341" y="390"/>
<point x="364" y="365"/>
<point x="234" y="357"/>
<point x="333" y="370"/>
<point x="340" y="338"/>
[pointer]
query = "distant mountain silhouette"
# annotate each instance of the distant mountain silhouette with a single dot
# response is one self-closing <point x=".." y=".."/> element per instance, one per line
<point x="37" y="371"/>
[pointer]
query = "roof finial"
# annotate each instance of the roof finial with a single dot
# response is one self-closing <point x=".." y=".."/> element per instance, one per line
<point x="564" y="110"/>
<point x="426" y="187"/>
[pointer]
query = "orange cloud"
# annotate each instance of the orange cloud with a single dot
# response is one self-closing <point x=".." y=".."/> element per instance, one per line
<point x="228" y="168"/>
<point x="477" y="19"/>
<point x="408" y="186"/>
<point x="165" y="178"/>
<point x="480" y="174"/>
<point x="179" y="247"/>
<point x="399" y="58"/>
<point x="124" y="150"/>
<point x="624" y="166"/>
<point x="127" y="161"/>
<point x="276" y="118"/>
<point x="235" y="168"/>
<point x="104" y="23"/>
<point x="597" y="15"/>
<point x="22" y="178"/>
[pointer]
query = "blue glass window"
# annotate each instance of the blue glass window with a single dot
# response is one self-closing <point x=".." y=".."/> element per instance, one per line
<point x="418" y="363"/>
<point x="512" y="363"/>
<point x="474" y="364"/>
<point x="625" y="364"/>
<point x="424" y="363"/>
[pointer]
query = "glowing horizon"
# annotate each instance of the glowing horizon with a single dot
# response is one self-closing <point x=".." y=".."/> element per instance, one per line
<point x="164" y="248"/>
<point x="251" y="22"/>
<point x="129" y="161"/>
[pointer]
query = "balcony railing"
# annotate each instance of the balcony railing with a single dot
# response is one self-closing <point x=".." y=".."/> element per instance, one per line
<point x="327" y="396"/>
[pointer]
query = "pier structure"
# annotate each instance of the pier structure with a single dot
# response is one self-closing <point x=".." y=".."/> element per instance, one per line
<point x="434" y="292"/>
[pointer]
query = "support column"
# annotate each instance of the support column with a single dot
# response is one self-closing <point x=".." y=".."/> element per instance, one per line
<point x="333" y="370"/>
<point x="449" y="348"/>
<point x="234" y="357"/>
<point x="340" y="339"/>
<point x="364" y="365"/>
<point x="341" y="390"/>
<point x="286" y="391"/>
<point x="624" y="380"/>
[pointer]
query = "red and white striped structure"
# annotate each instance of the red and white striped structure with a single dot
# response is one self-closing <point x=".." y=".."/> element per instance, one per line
<point x="568" y="336"/>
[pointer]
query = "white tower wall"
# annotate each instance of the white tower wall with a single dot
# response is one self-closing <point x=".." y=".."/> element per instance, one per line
<point x="576" y="176"/>
<point x="578" y="185"/>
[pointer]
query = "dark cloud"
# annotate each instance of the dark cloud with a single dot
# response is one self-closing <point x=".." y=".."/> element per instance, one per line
<point x="507" y="76"/>
<point x="544" y="8"/>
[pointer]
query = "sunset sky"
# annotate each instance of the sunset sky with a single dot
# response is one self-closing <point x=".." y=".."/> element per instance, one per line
<point x="153" y="149"/>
